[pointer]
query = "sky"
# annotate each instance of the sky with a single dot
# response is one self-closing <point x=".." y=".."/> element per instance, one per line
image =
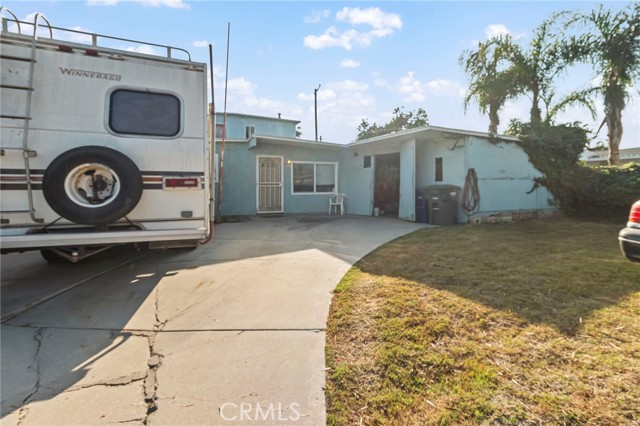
<point x="367" y="58"/>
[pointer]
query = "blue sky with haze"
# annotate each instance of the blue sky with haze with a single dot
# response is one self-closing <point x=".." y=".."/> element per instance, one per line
<point x="369" y="57"/>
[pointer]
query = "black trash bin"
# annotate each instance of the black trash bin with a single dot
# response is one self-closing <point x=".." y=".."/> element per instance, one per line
<point x="421" y="208"/>
<point x="442" y="204"/>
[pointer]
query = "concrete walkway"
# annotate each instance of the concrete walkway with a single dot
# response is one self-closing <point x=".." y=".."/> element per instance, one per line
<point x="231" y="333"/>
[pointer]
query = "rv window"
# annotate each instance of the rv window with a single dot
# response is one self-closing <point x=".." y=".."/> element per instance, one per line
<point x="249" y="131"/>
<point x="144" y="113"/>
<point x="439" y="169"/>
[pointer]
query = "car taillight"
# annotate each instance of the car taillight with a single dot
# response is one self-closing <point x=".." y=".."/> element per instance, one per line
<point x="181" y="183"/>
<point x="634" y="214"/>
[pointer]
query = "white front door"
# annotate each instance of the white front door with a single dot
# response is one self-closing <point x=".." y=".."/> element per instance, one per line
<point x="269" y="192"/>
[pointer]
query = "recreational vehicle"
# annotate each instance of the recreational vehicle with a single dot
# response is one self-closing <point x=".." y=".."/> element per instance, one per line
<point x="100" y="144"/>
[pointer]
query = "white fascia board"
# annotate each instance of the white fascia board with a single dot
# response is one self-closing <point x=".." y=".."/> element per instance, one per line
<point x="431" y="129"/>
<point x="293" y="141"/>
<point x="239" y="114"/>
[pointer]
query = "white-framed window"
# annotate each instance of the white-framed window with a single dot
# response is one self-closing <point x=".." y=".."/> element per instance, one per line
<point x="309" y="177"/>
<point x="249" y="131"/>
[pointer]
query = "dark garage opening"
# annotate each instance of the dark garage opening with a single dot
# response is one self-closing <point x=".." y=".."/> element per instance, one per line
<point x="387" y="183"/>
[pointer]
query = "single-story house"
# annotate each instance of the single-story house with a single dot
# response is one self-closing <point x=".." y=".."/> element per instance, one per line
<point x="267" y="170"/>
<point x="601" y="158"/>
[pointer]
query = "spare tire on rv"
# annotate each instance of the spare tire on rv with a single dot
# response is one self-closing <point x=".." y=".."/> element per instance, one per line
<point x="92" y="185"/>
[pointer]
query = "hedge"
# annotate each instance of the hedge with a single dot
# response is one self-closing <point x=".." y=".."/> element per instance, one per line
<point x="596" y="193"/>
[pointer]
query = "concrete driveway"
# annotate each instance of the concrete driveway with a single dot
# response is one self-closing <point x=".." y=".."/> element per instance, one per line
<point x="231" y="333"/>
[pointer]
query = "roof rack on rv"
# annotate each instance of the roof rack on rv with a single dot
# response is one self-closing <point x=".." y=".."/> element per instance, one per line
<point x="94" y="36"/>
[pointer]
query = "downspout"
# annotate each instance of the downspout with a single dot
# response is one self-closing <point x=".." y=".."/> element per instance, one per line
<point x="212" y="152"/>
<point x="224" y="130"/>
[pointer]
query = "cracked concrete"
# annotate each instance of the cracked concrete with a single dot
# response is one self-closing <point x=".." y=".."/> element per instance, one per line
<point x="19" y="348"/>
<point x="35" y="363"/>
<point x="230" y="334"/>
<point x="89" y="406"/>
<point x="117" y="381"/>
<point x="153" y="362"/>
<point x="73" y="365"/>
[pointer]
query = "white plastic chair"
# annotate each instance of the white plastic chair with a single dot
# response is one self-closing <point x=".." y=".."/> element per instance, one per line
<point x="337" y="200"/>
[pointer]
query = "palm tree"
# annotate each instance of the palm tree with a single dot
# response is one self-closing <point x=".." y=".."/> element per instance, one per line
<point x="492" y="82"/>
<point x="612" y="43"/>
<point x="536" y="69"/>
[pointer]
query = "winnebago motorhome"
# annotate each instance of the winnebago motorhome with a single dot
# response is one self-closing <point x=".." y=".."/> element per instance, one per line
<point x="99" y="145"/>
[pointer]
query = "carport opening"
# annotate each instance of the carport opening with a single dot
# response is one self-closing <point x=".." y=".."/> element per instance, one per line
<point x="387" y="183"/>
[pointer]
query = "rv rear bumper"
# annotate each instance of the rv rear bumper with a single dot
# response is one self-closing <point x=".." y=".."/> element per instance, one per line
<point x="34" y="241"/>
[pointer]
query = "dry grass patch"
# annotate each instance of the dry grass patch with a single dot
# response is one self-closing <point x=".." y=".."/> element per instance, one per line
<point x="532" y="323"/>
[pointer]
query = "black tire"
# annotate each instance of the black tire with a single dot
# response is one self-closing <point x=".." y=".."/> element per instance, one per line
<point x="69" y="185"/>
<point x="52" y="257"/>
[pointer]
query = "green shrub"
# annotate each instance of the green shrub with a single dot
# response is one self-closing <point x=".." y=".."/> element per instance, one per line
<point x="604" y="193"/>
<point x="600" y="193"/>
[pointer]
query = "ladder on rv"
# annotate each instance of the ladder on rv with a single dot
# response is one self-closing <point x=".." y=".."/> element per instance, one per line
<point x="26" y="89"/>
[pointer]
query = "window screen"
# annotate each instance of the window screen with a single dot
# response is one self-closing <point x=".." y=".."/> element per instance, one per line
<point x="135" y="112"/>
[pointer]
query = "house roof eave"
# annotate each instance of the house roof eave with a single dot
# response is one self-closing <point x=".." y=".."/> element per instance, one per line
<point x="425" y="131"/>
<point x="257" y="139"/>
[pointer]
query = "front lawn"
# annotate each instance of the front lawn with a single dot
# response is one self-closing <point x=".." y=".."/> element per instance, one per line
<point x="532" y="323"/>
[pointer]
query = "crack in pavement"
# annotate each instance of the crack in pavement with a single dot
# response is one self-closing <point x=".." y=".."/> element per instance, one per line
<point x="36" y="359"/>
<point x="141" y="419"/>
<point x="24" y="410"/>
<point x="153" y="363"/>
<point x="118" y="381"/>
<point x="22" y="415"/>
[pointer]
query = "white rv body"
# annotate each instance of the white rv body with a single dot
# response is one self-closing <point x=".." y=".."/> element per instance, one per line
<point x="68" y="97"/>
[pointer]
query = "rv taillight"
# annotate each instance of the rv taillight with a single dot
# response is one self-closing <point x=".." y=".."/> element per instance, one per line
<point x="91" y="52"/>
<point x="634" y="214"/>
<point x="181" y="182"/>
<point x="64" y="48"/>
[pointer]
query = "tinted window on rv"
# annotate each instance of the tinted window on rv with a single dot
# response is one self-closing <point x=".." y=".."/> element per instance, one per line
<point x="133" y="112"/>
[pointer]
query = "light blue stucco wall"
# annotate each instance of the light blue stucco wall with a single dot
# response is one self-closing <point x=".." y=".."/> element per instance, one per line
<point x="505" y="174"/>
<point x="407" y="205"/>
<point x="240" y="180"/>
<point x="237" y="123"/>
<point x="356" y="181"/>
<point x="453" y="163"/>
